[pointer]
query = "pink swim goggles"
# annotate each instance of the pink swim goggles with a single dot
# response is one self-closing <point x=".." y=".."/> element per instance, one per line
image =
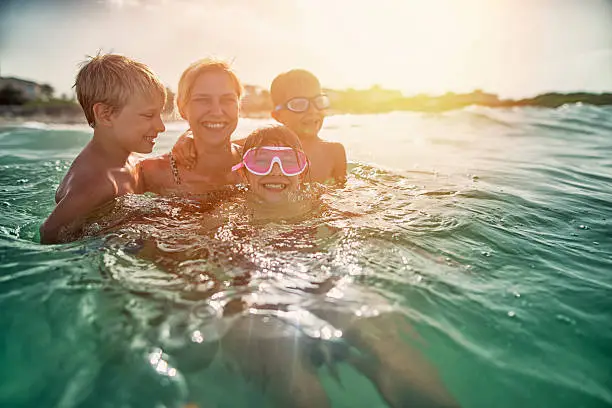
<point x="260" y="160"/>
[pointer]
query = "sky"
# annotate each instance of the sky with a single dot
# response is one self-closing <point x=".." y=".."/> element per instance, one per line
<point x="515" y="48"/>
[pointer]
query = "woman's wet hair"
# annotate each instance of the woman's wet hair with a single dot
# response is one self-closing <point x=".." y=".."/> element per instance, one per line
<point x="277" y="135"/>
<point x="193" y="72"/>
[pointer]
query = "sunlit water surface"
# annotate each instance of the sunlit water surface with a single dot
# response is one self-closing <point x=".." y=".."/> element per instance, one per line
<point x="487" y="231"/>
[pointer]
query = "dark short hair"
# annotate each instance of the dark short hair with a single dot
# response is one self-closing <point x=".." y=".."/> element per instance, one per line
<point x="277" y="89"/>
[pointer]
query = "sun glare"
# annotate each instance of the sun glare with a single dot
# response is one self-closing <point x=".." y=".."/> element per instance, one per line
<point x="435" y="46"/>
<point x="512" y="48"/>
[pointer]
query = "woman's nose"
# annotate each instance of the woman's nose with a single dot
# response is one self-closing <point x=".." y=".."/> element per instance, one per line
<point x="216" y="108"/>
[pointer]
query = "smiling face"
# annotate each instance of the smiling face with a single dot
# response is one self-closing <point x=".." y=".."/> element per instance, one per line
<point x="138" y="123"/>
<point x="300" y="84"/>
<point x="212" y="108"/>
<point x="273" y="188"/>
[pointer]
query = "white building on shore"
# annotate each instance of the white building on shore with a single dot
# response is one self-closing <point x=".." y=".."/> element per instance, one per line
<point x="29" y="89"/>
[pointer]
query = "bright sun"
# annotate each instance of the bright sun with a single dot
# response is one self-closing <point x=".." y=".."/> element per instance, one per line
<point x="431" y="46"/>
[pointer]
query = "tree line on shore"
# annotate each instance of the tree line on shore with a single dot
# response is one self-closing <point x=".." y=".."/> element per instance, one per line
<point x="372" y="100"/>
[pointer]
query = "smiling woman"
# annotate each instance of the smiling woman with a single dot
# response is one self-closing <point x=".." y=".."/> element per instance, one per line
<point x="208" y="98"/>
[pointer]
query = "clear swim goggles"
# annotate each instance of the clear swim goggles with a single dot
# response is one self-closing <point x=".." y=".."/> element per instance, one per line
<point x="302" y="104"/>
<point x="260" y="160"/>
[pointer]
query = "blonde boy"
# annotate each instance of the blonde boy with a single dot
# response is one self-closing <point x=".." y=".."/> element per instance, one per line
<point x="122" y="100"/>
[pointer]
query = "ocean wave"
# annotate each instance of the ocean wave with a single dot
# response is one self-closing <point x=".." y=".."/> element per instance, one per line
<point x="486" y="229"/>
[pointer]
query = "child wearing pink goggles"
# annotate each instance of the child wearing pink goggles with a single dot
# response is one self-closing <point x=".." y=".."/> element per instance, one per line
<point x="260" y="160"/>
<point x="273" y="164"/>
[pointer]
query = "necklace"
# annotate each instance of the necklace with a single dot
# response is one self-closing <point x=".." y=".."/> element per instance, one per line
<point x="175" y="172"/>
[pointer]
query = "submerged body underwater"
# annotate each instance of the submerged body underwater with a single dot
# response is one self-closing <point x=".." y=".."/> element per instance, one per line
<point x="477" y="239"/>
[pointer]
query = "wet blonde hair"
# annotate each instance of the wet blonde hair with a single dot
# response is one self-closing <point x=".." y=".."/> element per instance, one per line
<point x="198" y="68"/>
<point x="111" y="79"/>
<point x="274" y="135"/>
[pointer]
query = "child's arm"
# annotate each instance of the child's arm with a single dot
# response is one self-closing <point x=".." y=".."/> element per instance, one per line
<point x="140" y="177"/>
<point x="71" y="210"/>
<point x="339" y="169"/>
<point x="184" y="151"/>
<point x="240" y="142"/>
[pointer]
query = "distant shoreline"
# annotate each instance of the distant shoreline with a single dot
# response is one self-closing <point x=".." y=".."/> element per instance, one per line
<point x="372" y="101"/>
<point x="18" y="115"/>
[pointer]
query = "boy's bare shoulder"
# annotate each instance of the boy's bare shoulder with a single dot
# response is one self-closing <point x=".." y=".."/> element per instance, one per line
<point x="76" y="198"/>
<point x="328" y="143"/>
<point x="331" y="146"/>
<point x="88" y="183"/>
<point x="335" y="150"/>
<point x="84" y="176"/>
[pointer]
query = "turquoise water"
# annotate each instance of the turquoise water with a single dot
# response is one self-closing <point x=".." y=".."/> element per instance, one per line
<point x="488" y="230"/>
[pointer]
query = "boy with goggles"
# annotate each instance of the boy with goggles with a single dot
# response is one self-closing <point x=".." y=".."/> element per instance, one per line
<point x="299" y="104"/>
<point x="302" y="104"/>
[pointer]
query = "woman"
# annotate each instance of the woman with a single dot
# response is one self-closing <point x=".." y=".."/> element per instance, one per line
<point x="208" y="98"/>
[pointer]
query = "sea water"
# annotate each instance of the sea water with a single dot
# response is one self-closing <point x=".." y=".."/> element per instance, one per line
<point x="488" y="230"/>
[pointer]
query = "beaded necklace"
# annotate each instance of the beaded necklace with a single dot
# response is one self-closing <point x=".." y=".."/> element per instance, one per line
<point x="175" y="172"/>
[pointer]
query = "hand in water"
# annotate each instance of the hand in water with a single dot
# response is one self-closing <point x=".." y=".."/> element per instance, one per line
<point x="184" y="151"/>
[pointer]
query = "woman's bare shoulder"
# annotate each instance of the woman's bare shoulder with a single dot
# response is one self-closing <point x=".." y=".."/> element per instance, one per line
<point x="155" y="162"/>
<point x="154" y="173"/>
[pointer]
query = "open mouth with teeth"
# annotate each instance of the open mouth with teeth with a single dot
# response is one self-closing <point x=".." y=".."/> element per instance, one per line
<point x="150" y="139"/>
<point x="214" y="125"/>
<point x="275" y="187"/>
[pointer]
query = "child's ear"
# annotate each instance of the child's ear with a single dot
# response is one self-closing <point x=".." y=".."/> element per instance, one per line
<point x="102" y="114"/>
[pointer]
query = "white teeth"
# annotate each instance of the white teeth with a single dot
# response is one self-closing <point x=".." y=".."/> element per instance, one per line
<point x="274" y="186"/>
<point x="150" y="139"/>
<point x="216" y="125"/>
